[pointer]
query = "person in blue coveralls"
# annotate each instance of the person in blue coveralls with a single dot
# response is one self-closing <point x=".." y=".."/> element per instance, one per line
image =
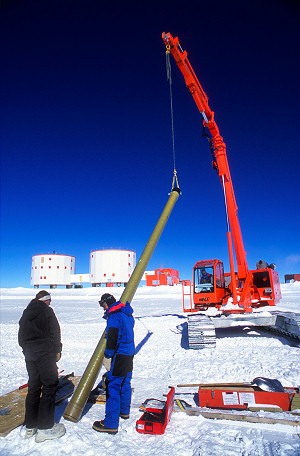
<point x="118" y="360"/>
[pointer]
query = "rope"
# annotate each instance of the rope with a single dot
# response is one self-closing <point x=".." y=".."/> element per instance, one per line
<point x="169" y="78"/>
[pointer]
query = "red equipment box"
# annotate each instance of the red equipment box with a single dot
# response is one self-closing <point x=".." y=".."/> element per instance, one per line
<point x="156" y="415"/>
<point x="243" y="398"/>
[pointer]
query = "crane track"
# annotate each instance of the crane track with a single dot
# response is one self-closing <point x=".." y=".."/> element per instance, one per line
<point x="281" y="332"/>
<point x="287" y="324"/>
<point x="202" y="333"/>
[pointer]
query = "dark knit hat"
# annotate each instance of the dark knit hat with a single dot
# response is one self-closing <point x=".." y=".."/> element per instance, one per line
<point x="107" y="298"/>
<point x="43" y="296"/>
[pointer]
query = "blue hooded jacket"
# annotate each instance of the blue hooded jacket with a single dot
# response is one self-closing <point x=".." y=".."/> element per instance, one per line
<point x="119" y="330"/>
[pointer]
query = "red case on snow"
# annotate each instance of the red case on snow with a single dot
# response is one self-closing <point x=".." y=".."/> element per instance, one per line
<point x="237" y="398"/>
<point x="154" y="420"/>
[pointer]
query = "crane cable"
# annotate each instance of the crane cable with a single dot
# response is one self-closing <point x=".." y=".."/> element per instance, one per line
<point x="175" y="183"/>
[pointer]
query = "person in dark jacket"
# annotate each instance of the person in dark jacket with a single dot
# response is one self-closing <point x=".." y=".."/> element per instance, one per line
<point x="39" y="337"/>
<point x="118" y="360"/>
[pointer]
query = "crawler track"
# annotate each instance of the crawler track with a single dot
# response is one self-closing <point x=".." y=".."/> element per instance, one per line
<point x="201" y="332"/>
<point x="287" y="324"/>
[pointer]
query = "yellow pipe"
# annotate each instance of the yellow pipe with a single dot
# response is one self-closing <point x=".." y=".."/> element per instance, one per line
<point x="77" y="403"/>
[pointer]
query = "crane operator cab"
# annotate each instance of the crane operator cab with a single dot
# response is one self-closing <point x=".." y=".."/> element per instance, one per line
<point x="212" y="288"/>
<point x="208" y="284"/>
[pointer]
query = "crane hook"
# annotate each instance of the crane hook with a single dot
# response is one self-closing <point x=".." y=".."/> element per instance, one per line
<point x="175" y="183"/>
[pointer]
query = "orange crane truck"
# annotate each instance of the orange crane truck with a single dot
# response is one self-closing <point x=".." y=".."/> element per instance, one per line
<point x="237" y="295"/>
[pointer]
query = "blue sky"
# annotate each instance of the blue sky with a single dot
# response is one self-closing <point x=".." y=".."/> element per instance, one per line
<point x="86" y="131"/>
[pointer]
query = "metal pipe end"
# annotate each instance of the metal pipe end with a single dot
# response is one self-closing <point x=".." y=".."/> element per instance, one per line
<point x="73" y="412"/>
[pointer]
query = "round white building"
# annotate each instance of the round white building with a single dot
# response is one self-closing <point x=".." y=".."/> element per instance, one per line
<point x="52" y="269"/>
<point x="111" y="267"/>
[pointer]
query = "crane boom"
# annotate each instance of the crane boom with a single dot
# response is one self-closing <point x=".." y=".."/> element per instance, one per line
<point x="219" y="152"/>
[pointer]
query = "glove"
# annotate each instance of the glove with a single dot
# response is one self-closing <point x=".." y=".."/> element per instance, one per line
<point x="104" y="381"/>
<point x="58" y="356"/>
<point x="107" y="363"/>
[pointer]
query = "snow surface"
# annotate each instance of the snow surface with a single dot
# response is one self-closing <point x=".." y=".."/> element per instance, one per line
<point x="162" y="360"/>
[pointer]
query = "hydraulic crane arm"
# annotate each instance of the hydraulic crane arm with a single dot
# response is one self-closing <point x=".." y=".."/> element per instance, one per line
<point x="218" y="147"/>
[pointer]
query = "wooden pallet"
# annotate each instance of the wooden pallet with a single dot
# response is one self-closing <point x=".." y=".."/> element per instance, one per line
<point x="290" y="419"/>
<point x="250" y="417"/>
<point x="12" y="404"/>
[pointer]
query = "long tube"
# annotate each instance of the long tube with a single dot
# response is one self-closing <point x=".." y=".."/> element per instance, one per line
<point x="231" y="262"/>
<point x="230" y="249"/>
<point x="76" y="405"/>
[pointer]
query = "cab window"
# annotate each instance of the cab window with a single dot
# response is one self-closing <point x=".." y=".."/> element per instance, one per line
<point x="204" y="279"/>
<point x="220" y="283"/>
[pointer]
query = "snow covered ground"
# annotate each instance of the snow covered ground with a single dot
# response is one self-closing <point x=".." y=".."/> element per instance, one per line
<point x="162" y="360"/>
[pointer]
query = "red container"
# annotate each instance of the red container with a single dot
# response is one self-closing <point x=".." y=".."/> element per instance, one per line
<point x="239" y="398"/>
<point x="155" y="419"/>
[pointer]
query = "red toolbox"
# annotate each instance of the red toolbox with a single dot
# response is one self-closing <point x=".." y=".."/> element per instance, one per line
<point x="156" y="414"/>
<point x="243" y="398"/>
